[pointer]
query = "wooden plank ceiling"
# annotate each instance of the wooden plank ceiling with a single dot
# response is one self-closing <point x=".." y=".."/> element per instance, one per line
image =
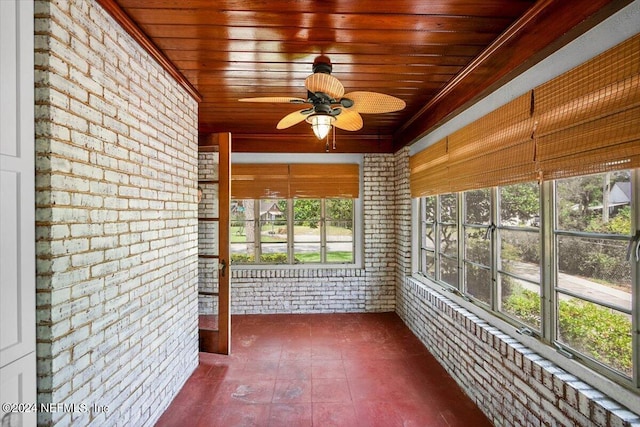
<point x="437" y="56"/>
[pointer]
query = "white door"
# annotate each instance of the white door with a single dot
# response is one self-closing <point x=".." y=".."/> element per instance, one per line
<point x="17" y="216"/>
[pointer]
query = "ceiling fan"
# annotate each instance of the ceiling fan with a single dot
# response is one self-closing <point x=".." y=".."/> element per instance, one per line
<point x="330" y="106"/>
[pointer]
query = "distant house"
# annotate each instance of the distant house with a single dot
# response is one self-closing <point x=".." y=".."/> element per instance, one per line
<point x="619" y="196"/>
<point x="269" y="210"/>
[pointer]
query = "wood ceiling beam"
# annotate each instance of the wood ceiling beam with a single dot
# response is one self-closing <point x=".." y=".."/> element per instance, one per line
<point x="544" y="28"/>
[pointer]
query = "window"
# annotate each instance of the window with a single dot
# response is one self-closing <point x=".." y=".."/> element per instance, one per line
<point x="579" y="249"/>
<point x="427" y="237"/>
<point x="477" y="244"/>
<point x="518" y="266"/>
<point x="292" y="231"/>
<point x="447" y="229"/>
<point x="593" y="284"/>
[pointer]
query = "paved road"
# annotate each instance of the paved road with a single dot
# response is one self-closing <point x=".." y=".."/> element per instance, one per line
<point x="578" y="285"/>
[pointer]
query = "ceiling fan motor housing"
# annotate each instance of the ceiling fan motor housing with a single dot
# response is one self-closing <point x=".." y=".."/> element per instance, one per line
<point x="322" y="64"/>
<point x="322" y="108"/>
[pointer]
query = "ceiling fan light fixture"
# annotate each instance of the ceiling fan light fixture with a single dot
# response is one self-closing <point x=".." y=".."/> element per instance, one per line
<point x="321" y="124"/>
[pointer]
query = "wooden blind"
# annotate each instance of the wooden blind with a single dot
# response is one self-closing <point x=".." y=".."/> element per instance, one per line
<point x="283" y="181"/>
<point x="496" y="149"/>
<point x="324" y="180"/>
<point x="259" y="181"/>
<point x="588" y="119"/>
<point x="585" y="121"/>
<point x="429" y="170"/>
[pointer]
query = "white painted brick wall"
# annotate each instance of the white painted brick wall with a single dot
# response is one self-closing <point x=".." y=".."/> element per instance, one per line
<point x="334" y="290"/>
<point x="512" y="384"/>
<point x="116" y="177"/>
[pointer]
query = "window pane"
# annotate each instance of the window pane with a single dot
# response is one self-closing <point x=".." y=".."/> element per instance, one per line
<point x="243" y="231"/>
<point x="428" y="208"/>
<point x="520" y="254"/>
<point x="520" y="299"/>
<point x="449" y="271"/>
<point x="341" y="252"/>
<point x="596" y="331"/>
<point x="595" y="268"/>
<point x="449" y="240"/>
<point x="448" y="208"/>
<point x="273" y="231"/>
<point x="428" y="264"/>
<point x="339" y="209"/>
<point x="478" y="282"/>
<point x="339" y="230"/>
<point x="427" y="237"/>
<point x="477" y="206"/>
<point x="476" y="247"/>
<point x="339" y="241"/>
<point x="306" y="231"/>
<point x="598" y="203"/>
<point x="520" y="205"/>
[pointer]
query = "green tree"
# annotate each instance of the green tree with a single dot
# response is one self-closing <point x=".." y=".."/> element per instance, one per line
<point x="306" y="212"/>
<point x="520" y="201"/>
<point x="340" y="211"/>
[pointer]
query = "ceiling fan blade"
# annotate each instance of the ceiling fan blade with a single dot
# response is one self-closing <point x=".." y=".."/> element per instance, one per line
<point x="293" y="118"/>
<point x="275" y="100"/>
<point x="348" y="120"/>
<point x="325" y="83"/>
<point x="374" y="102"/>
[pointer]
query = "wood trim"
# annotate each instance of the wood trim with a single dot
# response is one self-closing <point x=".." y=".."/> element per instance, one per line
<point x="224" y="281"/>
<point x="113" y="9"/>
<point x="306" y="143"/>
<point x="545" y="27"/>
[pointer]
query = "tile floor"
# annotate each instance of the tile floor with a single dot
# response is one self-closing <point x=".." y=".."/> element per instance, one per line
<point x="321" y="370"/>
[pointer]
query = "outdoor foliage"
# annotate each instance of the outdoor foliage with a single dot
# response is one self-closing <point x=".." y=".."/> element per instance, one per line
<point x="278" y="258"/>
<point x="524" y="304"/>
<point x="582" y="205"/>
<point x="586" y="327"/>
<point x="598" y="331"/>
<point x="520" y="201"/>
<point x="306" y="212"/>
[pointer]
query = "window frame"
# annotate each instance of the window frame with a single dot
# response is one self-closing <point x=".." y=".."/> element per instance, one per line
<point x="357" y="244"/>
<point x="547" y="335"/>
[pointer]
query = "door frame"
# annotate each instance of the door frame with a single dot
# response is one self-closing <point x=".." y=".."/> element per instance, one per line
<point x="221" y="143"/>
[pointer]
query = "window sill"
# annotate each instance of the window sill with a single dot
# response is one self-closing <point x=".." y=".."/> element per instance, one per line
<point x="625" y="395"/>
<point x="296" y="271"/>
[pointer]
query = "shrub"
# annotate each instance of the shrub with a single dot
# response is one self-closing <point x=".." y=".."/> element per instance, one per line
<point x="590" y="329"/>
<point x="277" y="258"/>
<point x="525" y="305"/>
<point x="597" y="331"/>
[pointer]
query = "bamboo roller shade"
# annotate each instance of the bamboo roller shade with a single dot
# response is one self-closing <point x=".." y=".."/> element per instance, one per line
<point x="283" y="181"/>
<point x="584" y="121"/>
<point x="589" y="118"/>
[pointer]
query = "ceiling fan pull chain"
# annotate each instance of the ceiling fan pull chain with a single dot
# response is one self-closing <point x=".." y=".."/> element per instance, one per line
<point x="334" y="137"/>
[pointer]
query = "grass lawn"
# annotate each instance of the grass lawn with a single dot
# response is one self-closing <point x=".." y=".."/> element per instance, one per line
<point x="238" y="234"/>
<point x="338" y="257"/>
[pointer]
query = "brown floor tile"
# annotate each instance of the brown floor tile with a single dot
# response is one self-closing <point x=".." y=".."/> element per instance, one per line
<point x="321" y="370"/>
<point x="334" y="415"/>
